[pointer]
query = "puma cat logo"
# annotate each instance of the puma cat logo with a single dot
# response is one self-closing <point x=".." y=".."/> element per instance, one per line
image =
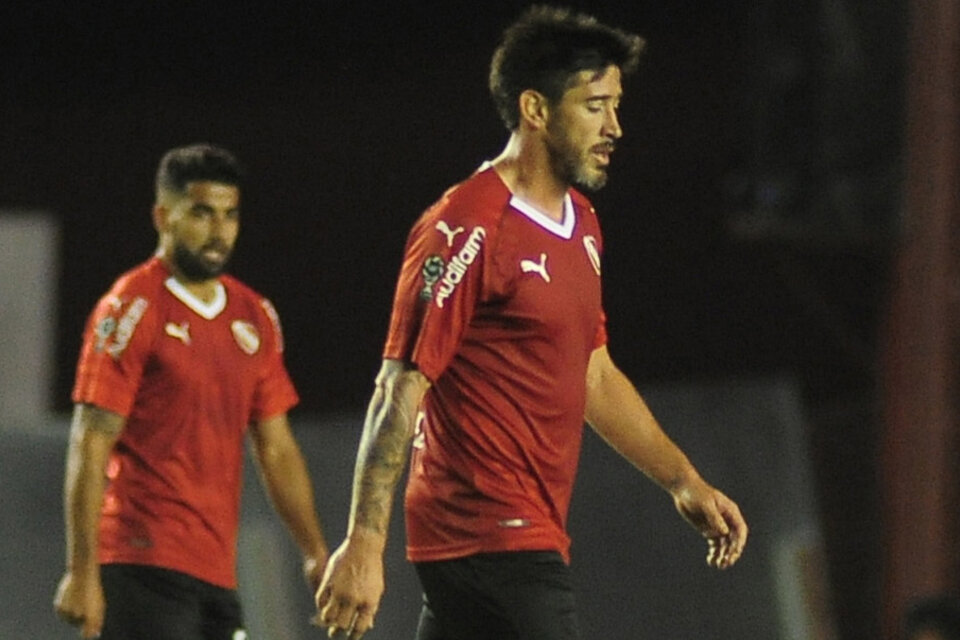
<point x="179" y="331"/>
<point x="540" y="268"/>
<point x="445" y="229"/>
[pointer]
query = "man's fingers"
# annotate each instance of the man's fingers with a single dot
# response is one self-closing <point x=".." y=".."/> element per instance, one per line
<point x="322" y="597"/>
<point x="339" y="615"/>
<point x="90" y="629"/>
<point x="721" y="553"/>
<point x="363" y="623"/>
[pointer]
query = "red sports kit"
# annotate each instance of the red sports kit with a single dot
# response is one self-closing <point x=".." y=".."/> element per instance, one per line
<point x="500" y="307"/>
<point x="189" y="377"/>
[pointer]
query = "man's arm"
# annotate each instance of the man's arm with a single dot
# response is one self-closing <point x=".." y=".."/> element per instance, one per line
<point x="619" y="415"/>
<point x="287" y="483"/>
<point x="79" y="599"/>
<point x="353" y="584"/>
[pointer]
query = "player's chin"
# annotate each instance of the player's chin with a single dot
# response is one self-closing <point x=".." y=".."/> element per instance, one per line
<point x="214" y="267"/>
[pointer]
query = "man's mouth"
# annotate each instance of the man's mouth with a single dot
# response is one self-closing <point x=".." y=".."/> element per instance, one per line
<point x="602" y="153"/>
<point x="216" y="253"/>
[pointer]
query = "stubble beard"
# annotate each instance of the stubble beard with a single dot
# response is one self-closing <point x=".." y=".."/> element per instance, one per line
<point x="572" y="166"/>
<point x="195" y="267"/>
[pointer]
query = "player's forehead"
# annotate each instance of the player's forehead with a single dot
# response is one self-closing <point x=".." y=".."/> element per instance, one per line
<point x="595" y="83"/>
<point x="214" y="194"/>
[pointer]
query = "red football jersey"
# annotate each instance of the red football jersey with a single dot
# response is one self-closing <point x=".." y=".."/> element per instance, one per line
<point x="500" y="307"/>
<point x="189" y="377"/>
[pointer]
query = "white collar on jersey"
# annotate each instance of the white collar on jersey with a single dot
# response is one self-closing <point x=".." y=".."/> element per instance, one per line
<point x="206" y="310"/>
<point x="563" y="229"/>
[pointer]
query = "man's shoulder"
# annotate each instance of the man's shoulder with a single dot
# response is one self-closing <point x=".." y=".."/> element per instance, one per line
<point x="480" y="200"/>
<point x="242" y="294"/>
<point x="581" y="202"/>
<point x="143" y="280"/>
<point x="239" y="288"/>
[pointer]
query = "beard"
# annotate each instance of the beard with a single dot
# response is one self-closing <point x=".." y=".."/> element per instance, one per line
<point x="573" y="165"/>
<point x="195" y="267"/>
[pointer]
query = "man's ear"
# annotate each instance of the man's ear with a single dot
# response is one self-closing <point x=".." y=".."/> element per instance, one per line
<point x="159" y="216"/>
<point x="534" y="109"/>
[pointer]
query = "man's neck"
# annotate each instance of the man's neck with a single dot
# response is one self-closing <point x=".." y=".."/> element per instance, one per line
<point x="203" y="290"/>
<point x="524" y="166"/>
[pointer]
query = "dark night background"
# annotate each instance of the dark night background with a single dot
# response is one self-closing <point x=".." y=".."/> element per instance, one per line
<point x="748" y="221"/>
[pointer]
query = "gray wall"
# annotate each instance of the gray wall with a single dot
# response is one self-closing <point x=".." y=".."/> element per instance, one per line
<point x="639" y="569"/>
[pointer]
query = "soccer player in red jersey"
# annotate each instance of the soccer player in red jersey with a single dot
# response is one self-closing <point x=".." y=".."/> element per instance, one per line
<point x="496" y="356"/>
<point x="179" y="363"/>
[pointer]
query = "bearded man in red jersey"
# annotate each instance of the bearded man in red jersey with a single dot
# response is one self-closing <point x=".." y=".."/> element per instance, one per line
<point x="179" y="363"/>
<point x="495" y="357"/>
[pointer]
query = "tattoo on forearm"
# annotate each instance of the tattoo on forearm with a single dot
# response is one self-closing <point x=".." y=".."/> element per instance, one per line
<point x="383" y="455"/>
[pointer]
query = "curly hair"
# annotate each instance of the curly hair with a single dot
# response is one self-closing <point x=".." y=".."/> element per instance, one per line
<point x="546" y="47"/>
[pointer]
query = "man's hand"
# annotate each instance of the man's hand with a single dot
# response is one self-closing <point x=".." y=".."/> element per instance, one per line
<point x="313" y="568"/>
<point x="80" y="602"/>
<point x="352" y="585"/>
<point x="716" y="517"/>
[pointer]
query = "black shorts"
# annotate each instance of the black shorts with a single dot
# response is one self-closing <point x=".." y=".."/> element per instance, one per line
<point x="150" y="603"/>
<point x="517" y="595"/>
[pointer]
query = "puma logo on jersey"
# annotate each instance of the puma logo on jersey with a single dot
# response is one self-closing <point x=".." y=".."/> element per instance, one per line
<point x="445" y="229"/>
<point x="539" y="268"/>
<point x="179" y="331"/>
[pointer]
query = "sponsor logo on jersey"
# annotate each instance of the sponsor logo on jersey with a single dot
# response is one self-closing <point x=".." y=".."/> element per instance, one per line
<point x="179" y="331"/>
<point x="432" y="270"/>
<point x="271" y="312"/>
<point x="590" y="244"/>
<point x="126" y="326"/>
<point x="458" y="265"/>
<point x="445" y="229"/>
<point x="103" y="331"/>
<point x="246" y="336"/>
<point x="539" y="268"/>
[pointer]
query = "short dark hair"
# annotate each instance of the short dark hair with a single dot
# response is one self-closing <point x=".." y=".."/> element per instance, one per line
<point x="940" y="614"/>
<point x="545" y="47"/>
<point x="194" y="163"/>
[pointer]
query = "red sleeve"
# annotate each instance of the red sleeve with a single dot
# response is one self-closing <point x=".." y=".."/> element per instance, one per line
<point x="275" y="393"/>
<point x="440" y="284"/>
<point x="593" y="243"/>
<point x="116" y="343"/>
<point x="601" y="338"/>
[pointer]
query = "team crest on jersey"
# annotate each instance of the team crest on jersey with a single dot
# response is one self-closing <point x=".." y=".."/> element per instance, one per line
<point x="246" y="336"/>
<point x="432" y="270"/>
<point x="590" y="244"/>
<point x="457" y="265"/>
